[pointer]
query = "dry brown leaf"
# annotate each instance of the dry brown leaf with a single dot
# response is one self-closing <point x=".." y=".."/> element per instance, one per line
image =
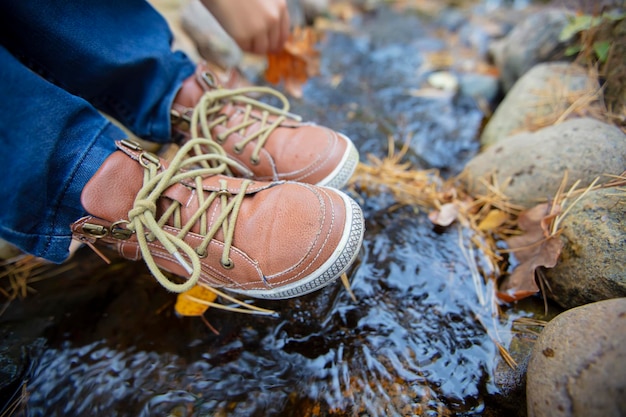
<point x="298" y="61"/>
<point x="536" y="247"/>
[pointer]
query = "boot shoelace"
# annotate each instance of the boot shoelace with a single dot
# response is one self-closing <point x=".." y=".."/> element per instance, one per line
<point x="207" y="115"/>
<point x="143" y="218"/>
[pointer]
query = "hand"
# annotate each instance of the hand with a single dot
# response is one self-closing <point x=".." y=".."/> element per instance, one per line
<point x="258" y="26"/>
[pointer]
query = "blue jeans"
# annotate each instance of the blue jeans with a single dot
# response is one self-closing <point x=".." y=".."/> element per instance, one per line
<point x="60" y="62"/>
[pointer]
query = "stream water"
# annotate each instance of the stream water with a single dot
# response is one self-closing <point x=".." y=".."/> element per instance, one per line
<point x="105" y="341"/>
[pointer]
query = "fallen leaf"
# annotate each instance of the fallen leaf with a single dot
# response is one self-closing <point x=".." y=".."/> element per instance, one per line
<point x="494" y="219"/>
<point x="535" y="248"/>
<point x="194" y="302"/>
<point x="445" y="215"/>
<point x="298" y="61"/>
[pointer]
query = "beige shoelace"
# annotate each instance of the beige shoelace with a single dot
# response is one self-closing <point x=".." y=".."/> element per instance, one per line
<point x="207" y="115"/>
<point x="184" y="166"/>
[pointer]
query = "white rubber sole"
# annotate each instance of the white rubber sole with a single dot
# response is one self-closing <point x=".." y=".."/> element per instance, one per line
<point x="344" y="170"/>
<point x="344" y="255"/>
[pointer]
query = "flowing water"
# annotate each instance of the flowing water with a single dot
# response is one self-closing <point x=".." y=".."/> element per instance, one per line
<point x="418" y="340"/>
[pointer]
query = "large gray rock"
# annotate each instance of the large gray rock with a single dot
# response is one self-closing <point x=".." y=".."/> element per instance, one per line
<point x="592" y="266"/>
<point x="541" y="95"/>
<point x="578" y="365"/>
<point x="535" y="163"/>
<point x="535" y="39"/>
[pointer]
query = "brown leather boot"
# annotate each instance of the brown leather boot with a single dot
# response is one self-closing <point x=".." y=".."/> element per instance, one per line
<point x="260" y="239"/>
<point x="270" y="143"/>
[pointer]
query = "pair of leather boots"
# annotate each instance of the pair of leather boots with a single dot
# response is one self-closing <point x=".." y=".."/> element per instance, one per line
<point x="249" y="203"/>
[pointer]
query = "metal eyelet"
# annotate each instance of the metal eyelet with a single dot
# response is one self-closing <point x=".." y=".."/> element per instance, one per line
<point x="226" y="193"/>
<point x="131" y="144"/>
<point x="180" y="120"/>
<point x="120" y="232"/>
<point x="209" y="79"/>
<point x="202" y="254"/>
<point x="255" y="160"/>
<point x="95" y="230"/>
<point x="150" y="158"/>
<point x="237" y="149"/>
<point x="229" y="265"/>
<point x="175" y="117"/>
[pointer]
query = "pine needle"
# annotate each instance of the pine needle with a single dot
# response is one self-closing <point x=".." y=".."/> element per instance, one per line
<point x="242" y="307"/>
<point x="346" y="284"/>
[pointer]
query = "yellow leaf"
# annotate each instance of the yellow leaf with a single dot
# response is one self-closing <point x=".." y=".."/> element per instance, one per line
<point x="195" y="301"/>
<point x="493" y="220"/>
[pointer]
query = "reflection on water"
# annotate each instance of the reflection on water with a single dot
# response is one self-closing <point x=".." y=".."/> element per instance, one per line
<point x="414" y="342"/>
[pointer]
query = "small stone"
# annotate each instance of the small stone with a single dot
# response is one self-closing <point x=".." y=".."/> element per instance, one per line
<point x="480" y="87"/>
<point x="444" y="80"/>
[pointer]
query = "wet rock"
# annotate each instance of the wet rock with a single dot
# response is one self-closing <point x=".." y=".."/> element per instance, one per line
<point x="578" y="366"/>
<point x="535" y="163"/>
<point x="534" y="40"/>
<point x="211" y="40"/>
<point x="478" y="33"/>
<point x="511" y="382"/>
<point x="540" y="96"/>
<point x="483" y="88"/>
<point x="476" y="37"/>
<point x="592" y="266"/>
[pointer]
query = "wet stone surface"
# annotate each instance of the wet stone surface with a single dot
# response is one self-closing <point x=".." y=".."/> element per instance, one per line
<point x="412" y="343"/>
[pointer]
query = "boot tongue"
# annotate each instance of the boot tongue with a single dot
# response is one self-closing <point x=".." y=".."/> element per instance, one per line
<point x="111" y="192"/>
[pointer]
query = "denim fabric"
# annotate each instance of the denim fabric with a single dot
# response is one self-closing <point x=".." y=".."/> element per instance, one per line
<point x="60" y="62"/>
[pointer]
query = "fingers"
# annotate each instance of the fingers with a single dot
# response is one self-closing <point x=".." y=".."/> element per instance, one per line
<point x="263" y="28"/>
<point x="259" y="45"/>
<point x="276" y="32"/>
<point x="285" y="28"/>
